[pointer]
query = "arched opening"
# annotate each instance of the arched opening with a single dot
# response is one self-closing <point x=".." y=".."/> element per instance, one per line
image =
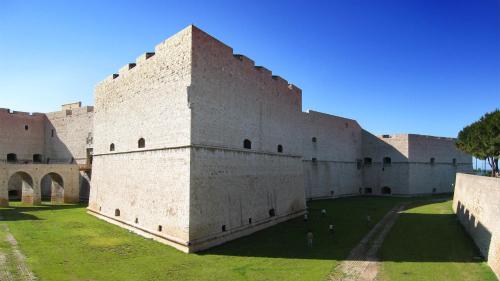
<point x="432" y="161"/>
<point x="141" y="143"/>
<point x="112" y="147"/>
<point x="367" y="161"/>
<point x="52" y="186"/>
<point x="37" y="158"/>
<point x="272" y="212"/>
<point x="20" y="187"/>
<point x="280" y="148"/>
<point x="11" y="158"/>
<point x="387" y="161"/>
<point x="247" y="144"/>
<point x="454" y="161"/>
<point x="117" y="212"/>
<point x="386" y="190"/>
<point x="314" y="139"/>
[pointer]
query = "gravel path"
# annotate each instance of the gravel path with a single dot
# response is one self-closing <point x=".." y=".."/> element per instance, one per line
<point x="23" y="272"/>
<point x="362" y="263"/>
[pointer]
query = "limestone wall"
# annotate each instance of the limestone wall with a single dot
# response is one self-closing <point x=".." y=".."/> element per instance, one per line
<point x="235" y="191"/>
<point x="438" y="176"/>
<point x="233" y="100"/>
<point x="147" y="99"/>
<point x="22" y="134"/>
<point x="331" y="148"/>
<point x="379" y="174"/>
<point x="30" y="176"/>
<point x="68" y="134"/>
<point x="476" y="202"/>
<point x="150" y="186"/>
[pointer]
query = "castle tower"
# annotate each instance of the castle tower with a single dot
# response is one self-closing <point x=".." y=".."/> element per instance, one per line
<point x="195" y="146"/>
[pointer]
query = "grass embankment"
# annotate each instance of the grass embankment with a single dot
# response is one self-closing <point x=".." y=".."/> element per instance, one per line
<point x="64" y="243"/>
<point x="428" y="243"/>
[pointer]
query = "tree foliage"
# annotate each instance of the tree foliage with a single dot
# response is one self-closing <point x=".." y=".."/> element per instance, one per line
<point x="482" y="139"/>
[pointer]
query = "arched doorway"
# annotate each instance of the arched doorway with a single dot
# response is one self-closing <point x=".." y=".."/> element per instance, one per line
<point x="386" y="190"/>
<point x="20" y="187"/>
<point x="52" y="187"/>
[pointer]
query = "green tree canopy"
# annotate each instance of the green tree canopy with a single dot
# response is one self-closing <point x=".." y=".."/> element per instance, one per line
<point x="482" y="139"/>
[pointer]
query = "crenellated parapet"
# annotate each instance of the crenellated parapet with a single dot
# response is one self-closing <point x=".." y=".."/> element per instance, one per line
<point x="247" y="64"/>
<point x="266" y="73"/>
<point x="6" y="111"/>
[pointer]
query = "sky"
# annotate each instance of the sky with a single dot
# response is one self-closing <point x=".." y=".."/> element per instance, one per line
<point x="414" y="66"/>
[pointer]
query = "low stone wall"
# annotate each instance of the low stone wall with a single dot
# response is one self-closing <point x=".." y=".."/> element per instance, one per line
<point x="477" y="205"/>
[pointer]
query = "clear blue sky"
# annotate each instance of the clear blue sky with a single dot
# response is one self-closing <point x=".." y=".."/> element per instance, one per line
<point x="419" y="66"/>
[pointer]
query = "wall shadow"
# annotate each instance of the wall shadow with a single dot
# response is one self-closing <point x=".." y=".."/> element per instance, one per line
<point x="385" y="169"/>
<point x="288" y="239"/>
<point x="477" y="231"/>
<point x="22" y="212"/>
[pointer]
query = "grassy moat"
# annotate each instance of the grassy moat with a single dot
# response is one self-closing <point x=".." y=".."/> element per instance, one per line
<point x="63" y="242"/>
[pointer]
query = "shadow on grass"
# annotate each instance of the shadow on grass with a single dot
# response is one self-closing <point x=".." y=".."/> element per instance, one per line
<point x="18" y="211"/>
<point x="429" y="238"/>
<point x="419" y="237"/>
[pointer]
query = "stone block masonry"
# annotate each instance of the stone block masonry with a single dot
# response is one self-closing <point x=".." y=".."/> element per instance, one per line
<point x="477" y="204"/>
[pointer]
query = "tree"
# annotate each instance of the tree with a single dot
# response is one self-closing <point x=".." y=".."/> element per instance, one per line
<point x="482" y="139"/>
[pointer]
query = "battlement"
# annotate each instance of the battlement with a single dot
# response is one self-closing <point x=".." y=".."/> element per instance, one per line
<point x="72" y="105"/>
<point x="408" y="136"/>
<point x="20" y="113"/>
<point x="67" y="110"/>
<point x="244" y="60"/>
<point x="265" y="72"/>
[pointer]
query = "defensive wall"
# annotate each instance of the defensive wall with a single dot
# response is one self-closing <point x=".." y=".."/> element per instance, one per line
<point x="62" y="137"/>
<point x="476" y="202"/>
<point x="214" y="147"/>
<point x="410" y="164"/>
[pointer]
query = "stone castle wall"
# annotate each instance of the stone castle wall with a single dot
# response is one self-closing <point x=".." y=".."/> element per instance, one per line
<point x="22" y="134"/>
<point x="148" y="185"/>
<point x="411" y="170"/>
<point x="68" y="134"/>
<point x="331" y="148"/>
<point x="63" y="137"/>
<point x="234" y="189"/>
<point x="169" y="138"/>
<point x="437" y="176"/>
<point x="378" y="173"/>
<point x="477" y="204"/>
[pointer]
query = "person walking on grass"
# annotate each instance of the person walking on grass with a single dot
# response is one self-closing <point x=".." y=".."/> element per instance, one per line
<point x="310" y="237"/>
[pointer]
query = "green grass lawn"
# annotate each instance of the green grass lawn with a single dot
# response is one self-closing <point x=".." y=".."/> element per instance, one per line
<point x="64" y="243"/>
<point x="428" y="243"/>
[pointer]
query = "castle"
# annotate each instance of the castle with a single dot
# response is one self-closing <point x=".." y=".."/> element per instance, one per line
<point x="193" y="146"/>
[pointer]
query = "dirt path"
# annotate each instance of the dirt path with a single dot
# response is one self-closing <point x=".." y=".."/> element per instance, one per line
<point x="13" y="257"/>
<point x="362" y="263"/>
